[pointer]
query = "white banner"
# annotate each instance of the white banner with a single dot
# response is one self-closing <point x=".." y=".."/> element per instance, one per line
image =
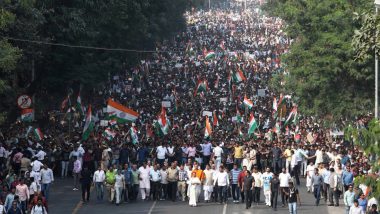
<point x="207" y="113"/>
<point x="166" y="104"/>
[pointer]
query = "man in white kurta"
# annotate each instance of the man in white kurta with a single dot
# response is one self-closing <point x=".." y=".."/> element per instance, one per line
<point x="208" y="186"/>
<point x="144" y="181"/>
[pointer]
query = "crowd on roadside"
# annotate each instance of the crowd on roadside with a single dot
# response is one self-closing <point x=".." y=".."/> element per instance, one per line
<point x="183" y="165"/>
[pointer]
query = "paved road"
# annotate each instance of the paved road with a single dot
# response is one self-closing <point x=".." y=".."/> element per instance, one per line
<point x="64" y="200"/>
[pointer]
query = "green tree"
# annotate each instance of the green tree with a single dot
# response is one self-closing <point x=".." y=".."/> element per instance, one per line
<point x="366" y="39"/>
<point x="367" y="139"/>
<point x="321" y="72"/>
<point x="9" y="56"/>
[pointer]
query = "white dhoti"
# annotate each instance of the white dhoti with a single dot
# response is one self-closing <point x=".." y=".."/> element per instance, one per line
<point x="208" y="192"/>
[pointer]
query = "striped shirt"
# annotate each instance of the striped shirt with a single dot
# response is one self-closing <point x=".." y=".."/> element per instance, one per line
<point x="235" y="174"/>
<point x="182" y="175"/>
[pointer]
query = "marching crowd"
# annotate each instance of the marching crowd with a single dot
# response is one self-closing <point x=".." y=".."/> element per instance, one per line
<point x="234" y="54"/>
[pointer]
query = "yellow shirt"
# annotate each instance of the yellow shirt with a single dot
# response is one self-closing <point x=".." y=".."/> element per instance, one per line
<point x="238" y="152"/>
<point x="288" y="154"/>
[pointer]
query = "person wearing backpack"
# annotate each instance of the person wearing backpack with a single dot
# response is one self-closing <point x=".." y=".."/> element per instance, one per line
<point x="38" y="208"/>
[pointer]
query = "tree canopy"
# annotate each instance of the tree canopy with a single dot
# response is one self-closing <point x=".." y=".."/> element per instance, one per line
<point x="115" y="24"/>
<point x="321" y="71"/>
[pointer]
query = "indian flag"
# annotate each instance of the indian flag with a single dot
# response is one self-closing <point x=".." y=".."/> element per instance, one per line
<point x="240" y="133"/>
<point x="79" y="105"/>
<point x="134" y="136"/>
<point x="162" y="123"/>
<point x="112" y="122"/>
<point x="233" y="55"/>
<point x="109" y="134"/>
<point x="293" y="114"/>
<point x="121" y="113"/>
<point x="277" y="128"/>
<point x="27" y="115"/>
<point x="208" y="130"/>
<point x="38" y="134"/>
<point x="210" y="55"/>
<point x="247" y="102"/>
<point x="239" y="118"/>
<point x="238" y="76"/>
<point x="215" y="119"/>
<point x="274" y="106"/>
<point x="89" y="124"/>
<point x="201" y="87"/>
<point x="252" y="125"/>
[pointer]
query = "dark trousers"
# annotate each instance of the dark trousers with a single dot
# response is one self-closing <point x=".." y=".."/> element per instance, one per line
<point x="172" y="187"/>
<point x="164" y="189"/>
<point x="256" y="194"/>
<point x="156" y="187"/>
<point x="86" y="191"/>
<point x="235" y="192"/>
<point x="206" y="160"/>
<point x="296" y="172"/>
<point x="248" y="198"/>
<point x="334" y="195"/>
<point x="317" y="194"/>
<point x="222" y="190"/>
<point x="326" y="190"/>
<point x="274" y="198"/>
<point x="242" y="195"/>
<point x="134" y="192"/>
<point x="126" y="192"/>
<point x="276" y="166"/>
<point x="215" y="194"/>
<point x="284" y="198"/>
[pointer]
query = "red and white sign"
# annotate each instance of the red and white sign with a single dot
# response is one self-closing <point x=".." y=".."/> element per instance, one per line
<point x="24" y="101"/>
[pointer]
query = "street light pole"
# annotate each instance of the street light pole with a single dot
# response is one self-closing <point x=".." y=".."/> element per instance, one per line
<point x="377" y="5"/>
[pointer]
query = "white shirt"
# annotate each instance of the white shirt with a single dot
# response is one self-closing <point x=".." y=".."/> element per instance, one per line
<point x="218" y="151"/>
<point x="36" y="165"/>
<point x="119" y="180"/>
<point x="33" y="188"/>
<point x="164" y="176"/>
<point x="161" y="152"/>
<point x="3" y="152"/>
<point x="40" y="155"/>
<point x="38" y="210"/>
<point x="222" y="179"/>
<point x="258" y="179"/>
<point x="155" y="175"/>
<point x="47" y="176"/>
<point x="99" y="176"/>
<point x="36" y="176"/>
<point x="284" y="179"/>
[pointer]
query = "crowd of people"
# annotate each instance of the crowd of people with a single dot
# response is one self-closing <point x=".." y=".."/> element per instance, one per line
<point x="234" y="53"/>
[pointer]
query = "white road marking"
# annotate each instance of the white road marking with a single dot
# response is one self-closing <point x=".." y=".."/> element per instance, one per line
<point x="225" y="209"/>
<point x="152" y="207"/>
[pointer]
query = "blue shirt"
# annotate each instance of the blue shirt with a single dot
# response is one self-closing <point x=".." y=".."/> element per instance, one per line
<point x="326" y="176"/>
<point x="235" y="175"/>
<point x="127" y="175"/>
<point x="363" y="204"/>
<point x="347" y="177"/>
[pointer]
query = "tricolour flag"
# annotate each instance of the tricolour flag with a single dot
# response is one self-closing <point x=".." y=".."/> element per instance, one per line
<point x="27" y="115"/>
<point x="38" y="134"/>
<point x="293" y="114"/>
<point x="65" y="102"/>
<point x="112" y="122"/>
<point x="109" y="134"/>
<point x="239" y="118"/>
<point x="89" y="124"/>
<point x="79" y="105"/>
<point x="277" y="128"/>
<point x="233" y="55"/>
<point x="252" y="125"/>
<point x="121" y="113"/>
<point x="210" y="55"/>
<point x="208" y="129"/>
<point x="134" y="136"/>
<point x="201" y="87"/>
<point x="215" y="121"/>
<point x="162" y="124"/>
<point x="247" y="102"/>
<point x="238" y="76"/>
<point x="240" y="133"/>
